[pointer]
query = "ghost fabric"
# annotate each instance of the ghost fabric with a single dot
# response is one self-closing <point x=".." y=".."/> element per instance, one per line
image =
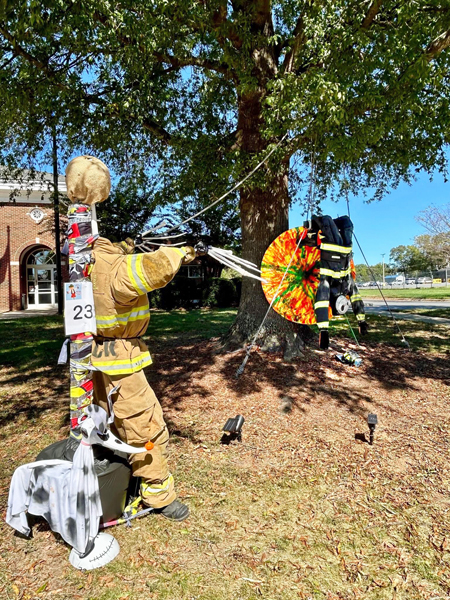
<point x="65" y="494"/>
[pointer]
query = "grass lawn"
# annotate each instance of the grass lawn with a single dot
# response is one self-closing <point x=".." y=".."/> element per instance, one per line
<point x="441" y="293"/>
<point x="420" y="336"/>
<point x="304" y="508"/>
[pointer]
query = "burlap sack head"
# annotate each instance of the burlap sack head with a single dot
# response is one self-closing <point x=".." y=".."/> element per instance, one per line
<point x="88" y="180"/>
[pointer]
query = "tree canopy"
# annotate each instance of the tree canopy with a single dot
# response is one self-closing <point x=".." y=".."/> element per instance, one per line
<point x="410" y="259"/>
<point x="195" y="92"/>
<point x="159" y="84"/>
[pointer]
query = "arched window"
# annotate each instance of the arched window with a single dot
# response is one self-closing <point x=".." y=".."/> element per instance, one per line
<point x="41" y="279"/>
<point x="42" y="257"/>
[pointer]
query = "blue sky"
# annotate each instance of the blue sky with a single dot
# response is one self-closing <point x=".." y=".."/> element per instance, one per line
<point x="380" y="226"/>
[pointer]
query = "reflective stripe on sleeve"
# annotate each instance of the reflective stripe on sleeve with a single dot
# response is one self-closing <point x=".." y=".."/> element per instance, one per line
<point x="335" y="248"/>
<point x="180" y="252"/>
<point x="356" y="297"/>
<point x="136" y="275"/>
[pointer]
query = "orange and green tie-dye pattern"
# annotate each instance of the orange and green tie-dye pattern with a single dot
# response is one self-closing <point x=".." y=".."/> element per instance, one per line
<point x="295" y="298"/>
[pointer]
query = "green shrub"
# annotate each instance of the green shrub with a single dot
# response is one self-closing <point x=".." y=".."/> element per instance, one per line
<point x="219" y="293"/>
<point x="182" y="292"/>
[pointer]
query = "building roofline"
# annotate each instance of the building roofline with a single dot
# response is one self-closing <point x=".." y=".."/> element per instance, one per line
<point x="44" y="183"/>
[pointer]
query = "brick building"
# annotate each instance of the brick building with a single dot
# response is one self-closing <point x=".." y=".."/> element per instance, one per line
<point x="27" y="244"/>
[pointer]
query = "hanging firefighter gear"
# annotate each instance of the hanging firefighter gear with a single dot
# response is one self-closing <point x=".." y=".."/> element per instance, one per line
<point x="334" y="237"/>
<point x="121" y="282"/>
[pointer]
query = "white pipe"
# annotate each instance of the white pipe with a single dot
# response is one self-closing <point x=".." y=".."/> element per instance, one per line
<point x="94" y="220"/>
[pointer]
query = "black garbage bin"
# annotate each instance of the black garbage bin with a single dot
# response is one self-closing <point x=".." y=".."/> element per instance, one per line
<point x="113" y="472"/>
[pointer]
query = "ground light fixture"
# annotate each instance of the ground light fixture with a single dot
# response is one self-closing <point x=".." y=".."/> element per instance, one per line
<point x="233" y="430"/>
<point x="372" y="421"/>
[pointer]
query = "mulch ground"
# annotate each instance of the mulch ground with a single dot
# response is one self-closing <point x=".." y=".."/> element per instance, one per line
<point x="303" y="507"/>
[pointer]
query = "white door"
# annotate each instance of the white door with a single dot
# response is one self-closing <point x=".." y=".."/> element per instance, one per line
<point x="41" y="279"/>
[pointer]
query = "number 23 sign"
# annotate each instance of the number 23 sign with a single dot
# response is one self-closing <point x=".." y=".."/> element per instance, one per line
<point x="79" y="315"/>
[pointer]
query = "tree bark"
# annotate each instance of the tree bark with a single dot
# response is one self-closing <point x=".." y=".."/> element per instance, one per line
<point x="264" y="216"/>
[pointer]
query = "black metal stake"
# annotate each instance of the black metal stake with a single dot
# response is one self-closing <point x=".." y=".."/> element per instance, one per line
<point x="57" y="228"/>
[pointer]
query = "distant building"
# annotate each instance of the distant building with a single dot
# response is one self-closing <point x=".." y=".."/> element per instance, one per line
<point x="27" y="244"/>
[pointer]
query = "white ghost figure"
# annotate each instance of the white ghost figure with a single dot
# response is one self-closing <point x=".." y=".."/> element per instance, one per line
<point x="65" y="493"/>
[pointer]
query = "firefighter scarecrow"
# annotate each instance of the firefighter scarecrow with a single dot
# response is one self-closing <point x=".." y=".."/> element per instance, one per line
<point x="121" y="281"/>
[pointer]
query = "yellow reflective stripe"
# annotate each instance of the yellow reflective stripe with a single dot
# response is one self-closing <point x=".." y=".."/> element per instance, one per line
<point x="123" y="318"/>
<point x="123" y="361"/>
<point x="180" y="252"/>
<point x="356" y="297"/>
<point x="130" y="260"/>
<point x="323" y="325"/>
<point x="134" y="268"/>
<point x="330" y="273"/>
<point x="140" y="272"/>
<point x="156" y="488"/>
<point x="335" y="248"/>
<point x="335" y="274"/>
<point x="124" y="367"/>
<point x="360" y="317"/>
<point x="322" y="304"/>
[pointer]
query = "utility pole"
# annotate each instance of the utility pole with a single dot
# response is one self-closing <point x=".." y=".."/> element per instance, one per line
<point x="382" y="256"/>
<point x="57" y="230"/>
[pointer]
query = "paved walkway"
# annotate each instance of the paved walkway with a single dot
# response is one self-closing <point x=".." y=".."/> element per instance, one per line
<point x="378" y="307"/>
<point x="26" y="314"/>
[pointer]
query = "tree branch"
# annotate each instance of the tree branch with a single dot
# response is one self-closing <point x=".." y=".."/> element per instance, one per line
<point x="148" y="123"/>
<point x="296" y="43"/>
<point x="374" y="9"/>
<point x="17" y="50"/>
<point x="195" y="61"/>
<point x="437" y="45"/>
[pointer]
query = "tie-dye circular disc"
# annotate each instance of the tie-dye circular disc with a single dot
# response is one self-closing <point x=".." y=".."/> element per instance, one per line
<point x="295" y="298"/>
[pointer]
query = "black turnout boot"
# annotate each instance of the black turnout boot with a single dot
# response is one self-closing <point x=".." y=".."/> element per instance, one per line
<point x="324" y="339"/>
<point x="176" y="511"/>
<point x="363" y="328"/>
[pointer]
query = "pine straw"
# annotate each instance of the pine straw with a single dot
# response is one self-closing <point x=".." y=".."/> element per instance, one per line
<point x="302" y="508"/>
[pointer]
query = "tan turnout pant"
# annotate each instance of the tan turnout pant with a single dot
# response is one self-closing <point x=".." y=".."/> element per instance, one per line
<point x="138" y="418"/>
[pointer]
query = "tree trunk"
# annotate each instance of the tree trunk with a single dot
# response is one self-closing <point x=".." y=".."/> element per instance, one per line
<point x="264" y="216"/>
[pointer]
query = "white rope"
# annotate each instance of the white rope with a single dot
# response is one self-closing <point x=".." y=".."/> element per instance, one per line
<point x="232" y="265"/>
<point x="234" y="188"/>
<point x="238" y="259"/>
<point x="229" y="263"/>
<point x="161" y="237"/>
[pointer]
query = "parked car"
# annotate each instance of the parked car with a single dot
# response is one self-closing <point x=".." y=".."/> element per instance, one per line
<point x="424" y="280"/>
<point x="410" y="281"/>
